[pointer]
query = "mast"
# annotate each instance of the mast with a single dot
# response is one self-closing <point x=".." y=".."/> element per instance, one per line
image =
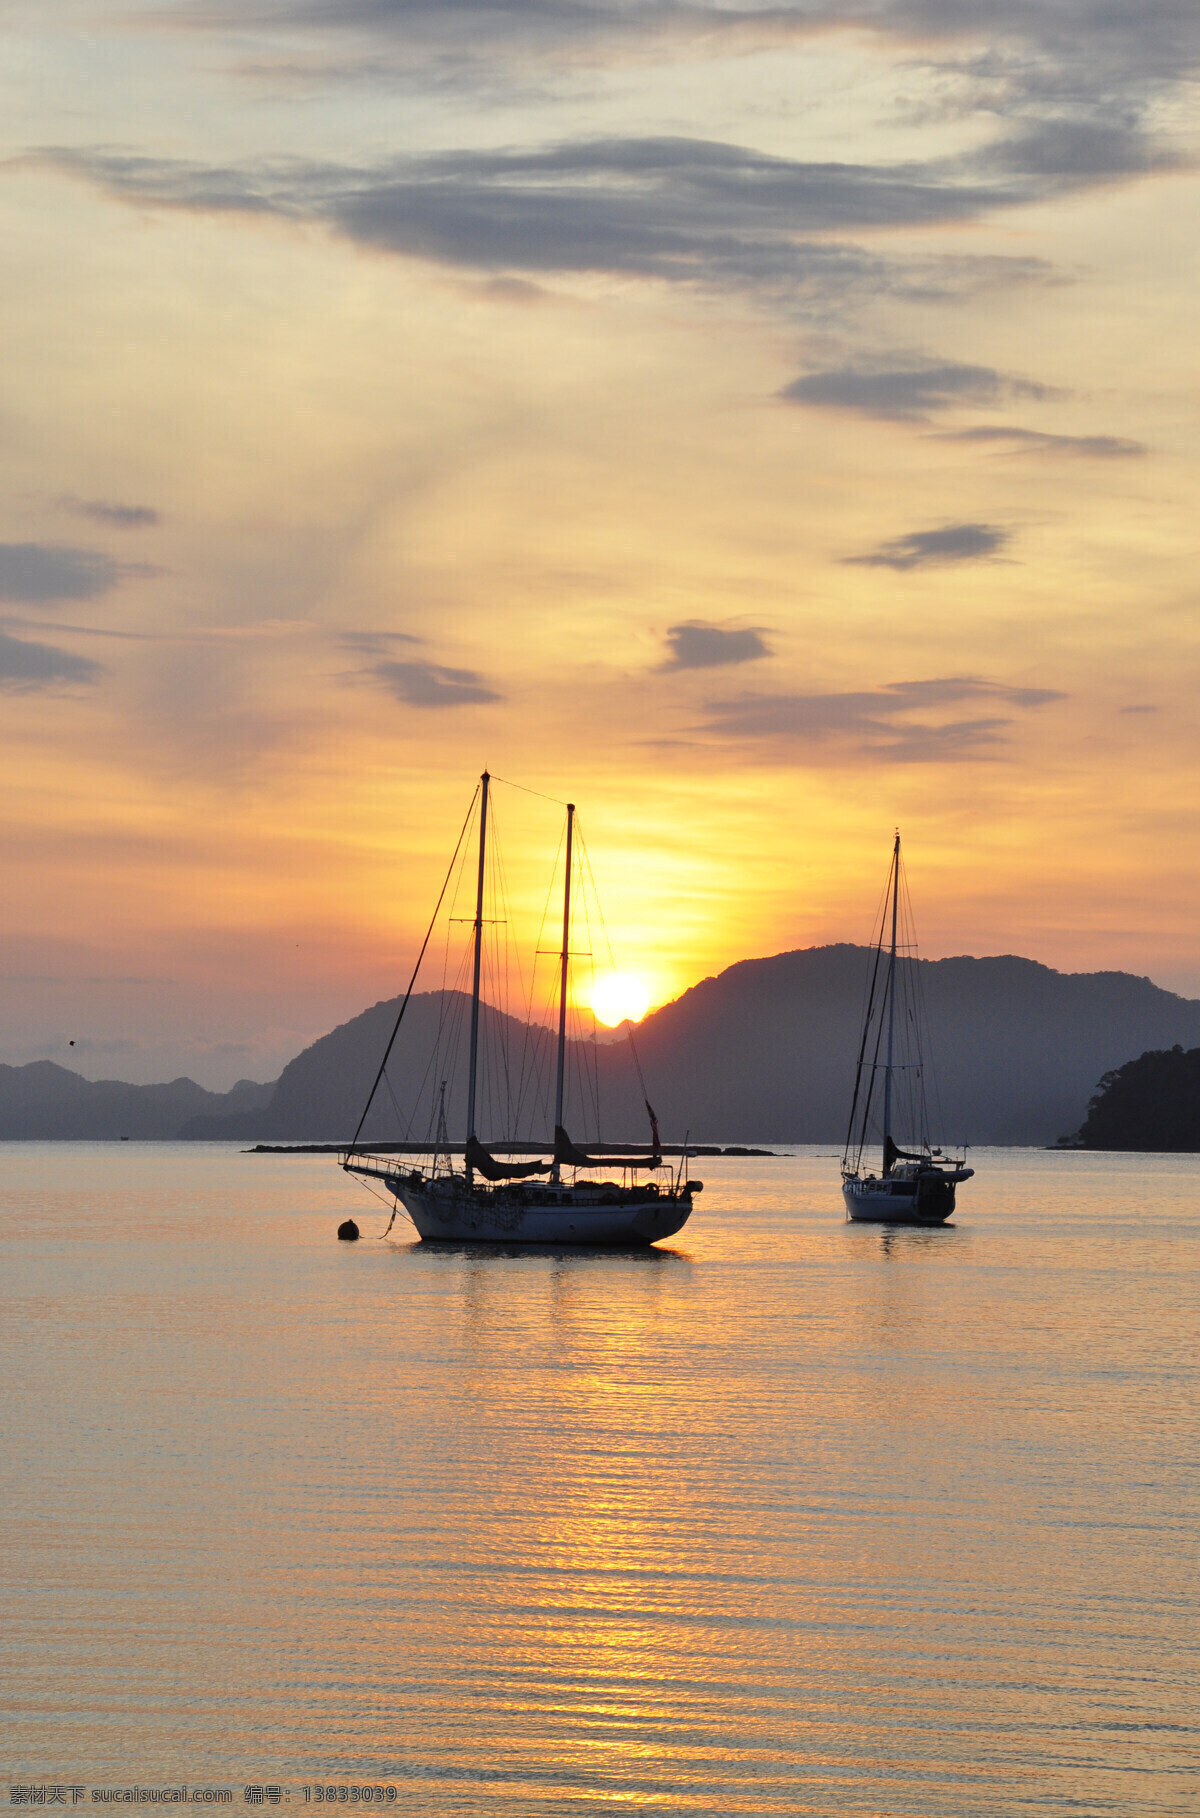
<point x="891" y="986"/>
<point x="562" y="984"/>
<point x="484" y="780"/>
<point x="442" y="1140"/>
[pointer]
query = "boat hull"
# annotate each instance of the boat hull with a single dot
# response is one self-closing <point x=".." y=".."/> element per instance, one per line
<point x="924" y="1199"/>
<point x="450" y="1211"/>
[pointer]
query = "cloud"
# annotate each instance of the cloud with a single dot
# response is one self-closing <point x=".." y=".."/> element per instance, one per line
<point x="676" y="210"/>
<point x="103" y="511"/>
<point x="1078" y="150"/>
<point x="879" y="722"/>
<point x="697" y="644"/>
<point x="26" y="667"/>
<point x="37" y="573"/>
<point x="375" y="643"/>
<point x="1078" y="79"/>
<point x="1078" y="83"/>
<point x="431" y="685"/>
<point x="907" y="392"/>
<point x="1037" y="441"/>
<point x="1156" y="36"/>
<point x="922" y="548"/>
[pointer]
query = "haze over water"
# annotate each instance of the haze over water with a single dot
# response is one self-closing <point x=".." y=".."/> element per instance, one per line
<point x="789" y="1517"/>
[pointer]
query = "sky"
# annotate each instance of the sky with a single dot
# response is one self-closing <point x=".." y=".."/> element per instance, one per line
<point x="765" y="427"/>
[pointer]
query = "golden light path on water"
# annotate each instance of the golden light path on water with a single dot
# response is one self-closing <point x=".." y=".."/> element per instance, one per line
<point x="791" y="1517"/>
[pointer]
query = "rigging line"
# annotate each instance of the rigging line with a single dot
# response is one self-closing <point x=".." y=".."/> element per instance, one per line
<point x="412" y="981"/>
<point x="396" y="1207"/>
<point x="873" y="1066"/>
<point x="930" y="1085"/>
<point x="432" y="1068"/>
<point x="587" y="860"/>
<point x="512" y="958"/>
<point x="858" y="1073"/>
<point x="593" y="1079"/>
<point x="870" y="986"/>
<point x="452" y="1008"/>
<point x="525" y="790"/>
<point x="405" y="1123"/>
<point x="528" y="1061"/>
<point x="885" y="1004"/>
<point x="590" y="1066"/>
<point x="613" y="963"/>
<point x="448" y="1054"/>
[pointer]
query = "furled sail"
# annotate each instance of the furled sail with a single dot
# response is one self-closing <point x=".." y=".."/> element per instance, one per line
<point x="568" y="1156"/>
<point x="485" y="1163"/>
<point x="891" y="1155"/>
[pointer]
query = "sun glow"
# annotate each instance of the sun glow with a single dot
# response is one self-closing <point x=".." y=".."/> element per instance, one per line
<point x="619" y="997"/>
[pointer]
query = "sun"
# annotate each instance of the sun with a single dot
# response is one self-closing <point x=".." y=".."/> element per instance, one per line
<point x="619" y="997"/>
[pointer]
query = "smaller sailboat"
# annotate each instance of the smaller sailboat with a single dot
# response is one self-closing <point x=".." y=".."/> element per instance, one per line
<point x="914" y="1186"/>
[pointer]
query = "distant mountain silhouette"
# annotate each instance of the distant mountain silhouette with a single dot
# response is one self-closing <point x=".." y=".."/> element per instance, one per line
<point x="43" y="1100"/>
<point x="319" y="1097"/>
<point x="764" y="1052"/>
<point x="1152" y="1103"/>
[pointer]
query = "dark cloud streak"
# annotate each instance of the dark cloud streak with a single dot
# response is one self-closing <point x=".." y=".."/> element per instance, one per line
<point x="676" y="210"/>
<point x="1037" y="441"/>
<point x="877" y="723"/>
<point x="432" y="685"/>
<point x="27" y="667"/>
<point x="42" y="573"/>
<point x="1155" y="37"/>
<point x="104" y="511"/>
<point x="926" y="548"/>
<point x="906" y="392"/>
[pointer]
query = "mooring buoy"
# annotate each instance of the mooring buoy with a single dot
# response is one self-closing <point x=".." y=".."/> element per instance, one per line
<point x="348" y="1232"/>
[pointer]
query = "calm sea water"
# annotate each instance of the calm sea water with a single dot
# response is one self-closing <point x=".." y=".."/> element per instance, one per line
<point x="788" y="1517"/>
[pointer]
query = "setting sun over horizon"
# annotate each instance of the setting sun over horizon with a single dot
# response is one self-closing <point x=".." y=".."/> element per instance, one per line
<point x="619" y="997"/>
<point x="379" y="405"/>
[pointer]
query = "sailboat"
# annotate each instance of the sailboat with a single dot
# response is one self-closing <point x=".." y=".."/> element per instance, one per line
<point x="570" y="1196"/>
<point x="914" y="1186"/>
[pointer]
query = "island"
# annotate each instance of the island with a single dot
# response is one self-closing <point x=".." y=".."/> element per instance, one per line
<point x="1151" y="1103"/>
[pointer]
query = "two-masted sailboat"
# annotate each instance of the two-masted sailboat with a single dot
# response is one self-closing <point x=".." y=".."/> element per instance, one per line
<point x="570" y="1197"/>
<point x="914" y="1186"/>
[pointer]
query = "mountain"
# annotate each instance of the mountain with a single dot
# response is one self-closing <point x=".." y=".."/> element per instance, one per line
<point x="764" y="1052"/>
<point x="1152" y="1103"/>
<point x="767" y="1049"/>
<point x="46" y="1101"/>
<point x="320" y="1095"/>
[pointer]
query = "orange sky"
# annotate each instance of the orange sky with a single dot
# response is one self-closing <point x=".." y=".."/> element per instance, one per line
<point x="762" y="429"/>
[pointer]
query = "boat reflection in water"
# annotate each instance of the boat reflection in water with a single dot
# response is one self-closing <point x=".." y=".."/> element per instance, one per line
<point x="914" y="1186"/>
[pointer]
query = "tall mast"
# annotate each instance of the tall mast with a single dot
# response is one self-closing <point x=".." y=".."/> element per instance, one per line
<point x="484" y="780"/>
<point x="562" y="982"/>
<point x="887" y="1075"/>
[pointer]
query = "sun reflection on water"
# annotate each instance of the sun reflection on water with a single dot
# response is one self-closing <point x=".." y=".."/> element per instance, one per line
<point x="795" y="1518"/>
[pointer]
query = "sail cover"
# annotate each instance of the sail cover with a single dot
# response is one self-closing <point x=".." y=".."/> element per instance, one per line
<point x="891" y="1155"/>
<point x="485" y="1163"/>
<point x="568" y="1156"/>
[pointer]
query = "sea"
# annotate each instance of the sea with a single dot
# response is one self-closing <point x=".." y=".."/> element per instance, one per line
<point x="787" y="1516"/>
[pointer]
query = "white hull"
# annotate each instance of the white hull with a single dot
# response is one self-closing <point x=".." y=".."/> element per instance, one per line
<point x="448" y="1209"/>
<point x="926" y="1198"/>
